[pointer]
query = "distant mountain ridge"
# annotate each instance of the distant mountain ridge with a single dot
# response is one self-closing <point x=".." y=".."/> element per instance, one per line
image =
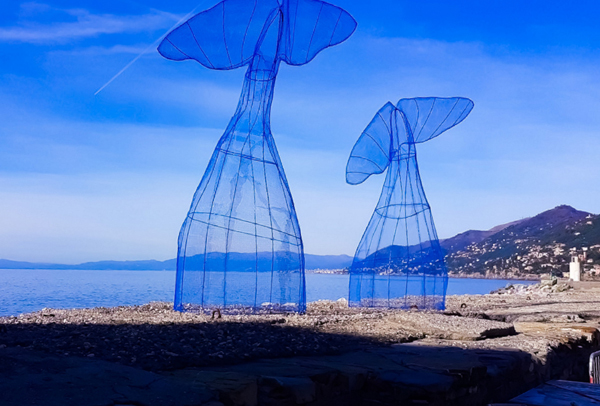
<point x="240" y="261"/>
<point x="462" y="240"/>
<point x="530" y="246"/>
<point x="150" y="265"/>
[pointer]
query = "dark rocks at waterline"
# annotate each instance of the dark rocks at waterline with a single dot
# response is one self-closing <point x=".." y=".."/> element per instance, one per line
<point x="543" y="288"/>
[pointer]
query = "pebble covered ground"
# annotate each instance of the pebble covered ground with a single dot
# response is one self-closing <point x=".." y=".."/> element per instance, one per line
<point x="155" y="337"/>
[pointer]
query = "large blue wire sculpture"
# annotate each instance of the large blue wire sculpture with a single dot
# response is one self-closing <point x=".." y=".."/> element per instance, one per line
<point x="240" y="247"/>
<point x="399" y="262"/>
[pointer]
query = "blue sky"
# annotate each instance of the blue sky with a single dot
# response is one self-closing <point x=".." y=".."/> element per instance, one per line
<point x="111" y="176"/>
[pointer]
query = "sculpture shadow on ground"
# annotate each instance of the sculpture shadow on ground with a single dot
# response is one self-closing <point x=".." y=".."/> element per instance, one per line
<point x="168" y="346"/>
<point x="276" y="357"/>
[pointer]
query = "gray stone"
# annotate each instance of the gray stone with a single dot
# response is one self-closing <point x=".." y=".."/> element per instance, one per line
<point x="234" y="387"/>
<point x="302" y="390"/>
<point x="548" y="282"/>
<point x="31" y="378"/>
<point x="450" y="327"/>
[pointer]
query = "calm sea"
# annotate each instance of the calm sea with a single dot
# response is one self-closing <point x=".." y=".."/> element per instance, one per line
<point x="26" y="290"/>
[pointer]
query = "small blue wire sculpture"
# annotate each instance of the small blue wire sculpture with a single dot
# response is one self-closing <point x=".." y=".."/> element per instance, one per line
<point x="399" y="262"/>
<point x="240" y="247"/>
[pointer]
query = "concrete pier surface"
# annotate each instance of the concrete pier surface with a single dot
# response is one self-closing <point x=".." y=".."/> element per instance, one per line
<point x="482" y="349"/>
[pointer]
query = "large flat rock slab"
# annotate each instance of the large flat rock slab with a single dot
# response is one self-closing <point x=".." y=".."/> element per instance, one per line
<point x="564" y="331"/>
<point x="582" y="302"/>
<point x="33" y="378"/>
<point x="450" y="327"/>
<point x="402" y="374"/>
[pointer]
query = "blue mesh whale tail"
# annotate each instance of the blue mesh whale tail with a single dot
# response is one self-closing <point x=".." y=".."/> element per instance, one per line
<point x="240" y="247"/>
<point x="399" y="262"/>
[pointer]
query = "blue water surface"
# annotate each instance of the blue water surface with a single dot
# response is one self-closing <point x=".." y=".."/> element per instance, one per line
<point x="27" y="290"/>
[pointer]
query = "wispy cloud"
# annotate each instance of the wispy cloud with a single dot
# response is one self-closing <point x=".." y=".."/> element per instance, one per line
<point x="82" y="24"/>
<point x="102" y="51"/>
<point x="33" y="7"/>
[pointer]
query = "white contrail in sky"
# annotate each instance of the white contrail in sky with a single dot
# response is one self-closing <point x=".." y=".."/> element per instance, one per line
<point x="188" y="15"/>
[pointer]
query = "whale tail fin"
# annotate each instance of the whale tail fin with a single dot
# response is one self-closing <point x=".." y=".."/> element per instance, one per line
<point x="310" y="26"/>
<point x="222" y="37"/>
<point x="428" y="117"/>
<point x="373" y="150"/>
<point x="226" y="36"/>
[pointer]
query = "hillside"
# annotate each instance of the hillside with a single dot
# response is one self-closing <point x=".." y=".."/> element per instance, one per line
<point x="523" y="248"/>
<point x="462" y="240"/>
<point x="533" y="246"/>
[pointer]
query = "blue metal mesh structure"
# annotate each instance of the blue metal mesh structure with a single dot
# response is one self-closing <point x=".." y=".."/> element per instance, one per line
<point x="399" y="262"/>
<point x="240" y="246"/>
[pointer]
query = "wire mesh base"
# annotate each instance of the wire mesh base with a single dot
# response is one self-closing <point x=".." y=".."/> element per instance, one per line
<point x="235" y="310"/>
<point x="404" y="303"/>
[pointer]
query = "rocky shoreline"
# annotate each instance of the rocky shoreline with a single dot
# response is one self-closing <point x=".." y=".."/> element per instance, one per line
<point x="482" y="348"/>
<point x="510" y="276"/>
<point x="155" y="337"/>
<point x="451" y="274"/>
